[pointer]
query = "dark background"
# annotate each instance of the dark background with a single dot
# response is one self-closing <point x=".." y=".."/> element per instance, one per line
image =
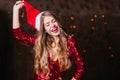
<point x="95" y="25"/>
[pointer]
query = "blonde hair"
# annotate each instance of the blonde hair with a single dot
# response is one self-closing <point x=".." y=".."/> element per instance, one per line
<point x="43" y="46"/>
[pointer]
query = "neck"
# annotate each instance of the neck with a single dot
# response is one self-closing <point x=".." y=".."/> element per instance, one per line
<point x="56" y="38"/>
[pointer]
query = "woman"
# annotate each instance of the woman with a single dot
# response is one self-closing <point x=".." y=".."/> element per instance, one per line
<point x="53" y="49"/>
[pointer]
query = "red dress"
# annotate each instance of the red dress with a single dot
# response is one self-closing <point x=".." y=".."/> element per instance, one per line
<point x="55" y="72"/>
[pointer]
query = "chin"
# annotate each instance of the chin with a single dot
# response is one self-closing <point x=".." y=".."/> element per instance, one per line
<point x="56" y="34"/>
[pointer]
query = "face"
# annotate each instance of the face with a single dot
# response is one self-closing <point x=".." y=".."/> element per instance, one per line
<point x="51" y="26"/>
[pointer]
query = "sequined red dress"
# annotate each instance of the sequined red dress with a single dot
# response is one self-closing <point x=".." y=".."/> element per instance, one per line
<point x="55" y="72"/>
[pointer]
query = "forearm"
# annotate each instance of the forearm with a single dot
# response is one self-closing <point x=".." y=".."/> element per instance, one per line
<point x="78" y="60"/>
<point x="17" y="6"/>
<point x="16" y="22"/>
<point x="73" y="78"/>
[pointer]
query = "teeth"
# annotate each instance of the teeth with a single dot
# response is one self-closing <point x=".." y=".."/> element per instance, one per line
<point x="54" y="29"/>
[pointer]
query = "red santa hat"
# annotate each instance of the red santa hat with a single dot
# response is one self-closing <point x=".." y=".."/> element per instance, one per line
<point x="33" y="15"/>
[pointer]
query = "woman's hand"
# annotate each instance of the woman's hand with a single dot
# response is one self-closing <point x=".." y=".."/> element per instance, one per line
<point x="17" y="6"/>
<point x="73" y="78"/>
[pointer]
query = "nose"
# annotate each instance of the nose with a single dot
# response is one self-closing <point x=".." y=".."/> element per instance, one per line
<point x="52" y="25"/>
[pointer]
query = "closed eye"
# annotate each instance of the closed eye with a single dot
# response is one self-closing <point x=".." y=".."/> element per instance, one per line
<point x="47" y="24"/>
<point x="53" y="20"/>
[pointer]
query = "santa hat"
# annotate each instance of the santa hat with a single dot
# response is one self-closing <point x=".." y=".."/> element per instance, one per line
<point x="33" y="15"/>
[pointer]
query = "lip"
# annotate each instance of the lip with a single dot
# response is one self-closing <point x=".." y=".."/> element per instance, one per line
<point x="55" y="29"/>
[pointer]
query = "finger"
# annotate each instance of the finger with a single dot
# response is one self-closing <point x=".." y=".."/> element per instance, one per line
<point x="21" y="0"/>
<point x="18" y="2"/>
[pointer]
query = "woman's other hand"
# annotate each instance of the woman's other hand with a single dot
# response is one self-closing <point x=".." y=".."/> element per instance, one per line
<point x="18" y="5"/>
<point x="73" y="78"/>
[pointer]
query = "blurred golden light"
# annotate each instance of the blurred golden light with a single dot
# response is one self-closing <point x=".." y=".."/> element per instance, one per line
<point x="74" y="26"/>
<point x="110" y="47"/>
<point x="72" y="35"/>
<point x="92" y="19"/>
<point x="84" y="50"/>
<point x="93" y="28"/>
<point x="102" y="16"/>
<point x="95" y="16"/>
<point x="22" y="15"/>
<point x="112" y="55"/>
<point x="72" y="18"/>
<point x="105" y="23"/>
<point x="71" y="26"/>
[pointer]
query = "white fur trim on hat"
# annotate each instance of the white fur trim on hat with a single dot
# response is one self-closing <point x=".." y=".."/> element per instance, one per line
<point x="37" y="21"/>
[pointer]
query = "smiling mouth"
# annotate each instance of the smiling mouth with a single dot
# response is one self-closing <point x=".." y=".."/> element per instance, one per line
<point x="55" y="30"/>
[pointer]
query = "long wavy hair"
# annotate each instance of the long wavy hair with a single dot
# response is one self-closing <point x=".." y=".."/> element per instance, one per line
<point x="43" y="46"/>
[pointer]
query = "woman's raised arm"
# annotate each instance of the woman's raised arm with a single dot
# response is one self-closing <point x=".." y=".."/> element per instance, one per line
<point x="17" y="32"/>
<point x="17" y="6"/>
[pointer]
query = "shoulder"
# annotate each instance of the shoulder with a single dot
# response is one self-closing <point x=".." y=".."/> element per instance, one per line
<point x="71" y="40"/>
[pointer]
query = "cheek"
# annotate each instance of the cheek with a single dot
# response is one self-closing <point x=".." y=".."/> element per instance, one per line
<point x="47" y="29"/>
